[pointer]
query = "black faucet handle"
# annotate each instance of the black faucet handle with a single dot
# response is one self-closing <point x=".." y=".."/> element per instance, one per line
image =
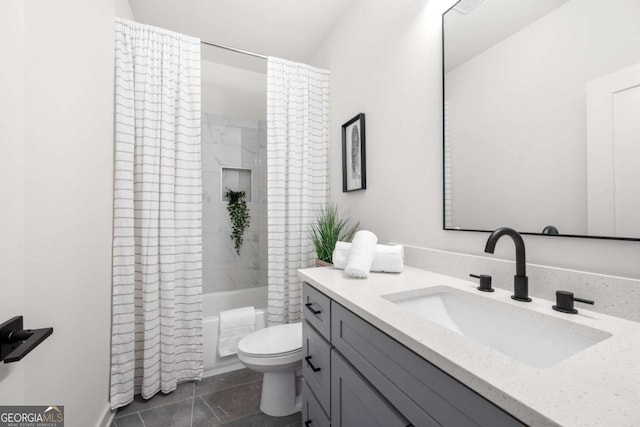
<point x="564" y="302"/>
<point x="485" y="282"/>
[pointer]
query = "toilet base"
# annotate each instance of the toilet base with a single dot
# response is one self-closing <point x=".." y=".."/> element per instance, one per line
<point x="279" y="394"/>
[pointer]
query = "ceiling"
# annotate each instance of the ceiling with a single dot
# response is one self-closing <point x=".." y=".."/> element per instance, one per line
<point x="289" y="29"/>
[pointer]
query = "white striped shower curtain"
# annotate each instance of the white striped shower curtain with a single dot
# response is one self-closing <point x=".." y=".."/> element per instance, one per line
<point x="297" y="177"/>
<point x="157" y="230"/>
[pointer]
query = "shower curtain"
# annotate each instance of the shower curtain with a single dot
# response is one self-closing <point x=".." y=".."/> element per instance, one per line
<point x="157" y="231"/>
<point x="297" y="177"/>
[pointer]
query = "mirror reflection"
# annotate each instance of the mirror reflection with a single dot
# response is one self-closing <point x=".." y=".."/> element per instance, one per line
<point x="542" y="116"/>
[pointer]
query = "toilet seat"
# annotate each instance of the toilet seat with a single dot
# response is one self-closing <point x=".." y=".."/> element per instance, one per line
<point x="273" y="342"/>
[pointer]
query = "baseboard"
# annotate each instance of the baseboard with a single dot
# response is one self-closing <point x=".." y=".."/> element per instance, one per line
<point x="107" y="417"/>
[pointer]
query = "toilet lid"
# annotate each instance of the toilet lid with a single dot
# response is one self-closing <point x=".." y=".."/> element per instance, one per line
<point x="281" y="339"/>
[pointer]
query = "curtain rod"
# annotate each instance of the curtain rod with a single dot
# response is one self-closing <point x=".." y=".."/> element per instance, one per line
<point x="233" y="49"/>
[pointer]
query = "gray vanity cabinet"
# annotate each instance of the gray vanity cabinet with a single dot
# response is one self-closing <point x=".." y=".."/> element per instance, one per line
<point x="312" y="413"/>
<point x="316" y="362"/>
<point x="317" y="310"/>
<point x="355" y="403"/>
<point x="375" y="380"/>
<point x="316" y="365"/>
<point x="422" y="392"/>
<point x="334" y="393"/>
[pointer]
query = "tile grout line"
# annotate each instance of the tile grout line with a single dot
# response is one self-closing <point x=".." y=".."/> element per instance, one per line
<point x="160" y="406"/>
<point x="212" y="411"/>
<point x="193" y="403"/>
<point x="144" y="408"/>
<point x="167" y="403"/>
<point x="195" y="394"/>
<point x="230" y="421"/>
<point x="228" y="387"/>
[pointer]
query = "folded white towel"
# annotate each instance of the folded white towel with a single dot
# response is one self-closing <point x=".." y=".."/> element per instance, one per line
<point x="387" y="258"/>
<point x="361" y="255"/>
<point x="228" y="343"/>
<point x="235" y="325"/>
<point x="244" y="316"/>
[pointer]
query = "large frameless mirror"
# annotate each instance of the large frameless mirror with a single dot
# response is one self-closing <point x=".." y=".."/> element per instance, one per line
<point x="542" y="117"/>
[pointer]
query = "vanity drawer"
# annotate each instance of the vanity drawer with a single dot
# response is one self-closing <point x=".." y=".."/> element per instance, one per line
<point x="316" y="365"/>
<point x="355" y="403"/>
<point x="312" y="413"/>
<point x="317" y="310"/>
<point x="422" y="392"/>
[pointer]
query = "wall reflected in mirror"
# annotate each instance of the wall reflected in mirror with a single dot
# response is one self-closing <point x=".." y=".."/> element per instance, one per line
<point x="542" y="116"/>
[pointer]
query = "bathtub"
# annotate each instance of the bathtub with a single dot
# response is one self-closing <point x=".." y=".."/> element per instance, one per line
<point x="213" y="304"/>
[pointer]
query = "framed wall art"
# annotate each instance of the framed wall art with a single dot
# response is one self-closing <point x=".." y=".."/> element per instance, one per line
<point x="354" y="172"/>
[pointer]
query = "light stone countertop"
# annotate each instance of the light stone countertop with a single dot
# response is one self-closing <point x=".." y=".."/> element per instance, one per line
<point x="600" y="386"/>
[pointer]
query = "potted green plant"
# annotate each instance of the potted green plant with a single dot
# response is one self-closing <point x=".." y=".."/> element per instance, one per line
<point x="239" y="216"/>
<point x="330" y="227"/>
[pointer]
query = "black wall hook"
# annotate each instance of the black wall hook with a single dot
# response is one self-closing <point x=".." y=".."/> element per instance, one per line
<point x="16" y="342"/>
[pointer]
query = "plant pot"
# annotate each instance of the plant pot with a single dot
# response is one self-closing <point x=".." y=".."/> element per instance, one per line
<point x="321" y="263"/>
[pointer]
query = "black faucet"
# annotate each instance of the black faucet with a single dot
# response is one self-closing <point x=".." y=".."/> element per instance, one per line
<point x="520" y="280"/>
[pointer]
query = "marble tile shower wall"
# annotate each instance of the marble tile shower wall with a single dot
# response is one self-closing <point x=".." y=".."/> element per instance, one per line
<point x="233" y="143"/>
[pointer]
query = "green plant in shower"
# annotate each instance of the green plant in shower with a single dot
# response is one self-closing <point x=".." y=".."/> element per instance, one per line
<point x="239" y="216"/>
<point x="330" y="227"/>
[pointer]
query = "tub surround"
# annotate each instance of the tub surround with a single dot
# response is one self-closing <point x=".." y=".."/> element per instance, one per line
<point x="233" y="143"/>
<point x="616" y="296"/>
<point x="213" y="304"/>
<point x="596" y="387"/>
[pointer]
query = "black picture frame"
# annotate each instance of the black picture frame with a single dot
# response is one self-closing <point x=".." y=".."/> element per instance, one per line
<point x="354" y="171"/>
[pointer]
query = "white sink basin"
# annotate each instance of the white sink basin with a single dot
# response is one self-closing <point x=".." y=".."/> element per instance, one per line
<point x="527" y="336"/>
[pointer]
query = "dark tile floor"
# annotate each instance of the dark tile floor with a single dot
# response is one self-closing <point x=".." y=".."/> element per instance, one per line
<point x="231" y="399"/>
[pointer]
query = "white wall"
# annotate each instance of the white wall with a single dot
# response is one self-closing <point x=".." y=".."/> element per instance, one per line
<point x="385" y="60"/>
<point x="122" y="9"/>
<point x="63" y="180"/>
<point x="11" y="185"/>
<point x="233" y="92"/>
<point x="527" y="149"/>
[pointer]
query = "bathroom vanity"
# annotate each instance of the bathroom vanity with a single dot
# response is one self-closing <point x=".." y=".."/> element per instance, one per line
<point x="372" y="358"/>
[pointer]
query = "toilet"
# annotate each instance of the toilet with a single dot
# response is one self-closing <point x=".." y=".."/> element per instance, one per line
<point x="275" y="351"/>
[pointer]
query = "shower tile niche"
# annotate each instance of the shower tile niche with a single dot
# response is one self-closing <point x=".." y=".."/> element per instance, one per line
<point x="233" y="156"/>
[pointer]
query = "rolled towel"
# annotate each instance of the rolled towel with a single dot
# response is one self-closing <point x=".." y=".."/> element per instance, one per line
<point x="361" y="255"/>
<point x="234" y="325"/>
<point x="387" y="258"/>
<point x="340" y="255"/>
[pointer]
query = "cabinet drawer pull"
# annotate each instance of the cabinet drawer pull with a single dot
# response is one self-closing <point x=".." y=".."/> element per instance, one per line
<point x="307" y="423"/>
<point x="309" y="304"/>
<point x="313" y="368"/>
